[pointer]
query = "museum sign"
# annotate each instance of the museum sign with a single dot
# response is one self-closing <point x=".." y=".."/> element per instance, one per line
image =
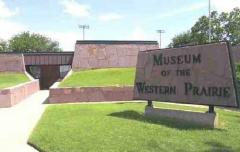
<point x="202" y="74"/>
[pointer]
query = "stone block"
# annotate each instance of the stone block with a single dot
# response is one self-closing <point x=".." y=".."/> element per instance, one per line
<point x="95" y="94"/>
<point x="103" y="63"/>
<point x="209" y="120"/>
<point x="84" y="63"/>
<point x="93" y="62"/>
<point x="5" y="101"/>
<point x="121" y="52"/>
<point x="90" y="94"/>
<point x="14" y="95"/>
<point x="101" y="54"/>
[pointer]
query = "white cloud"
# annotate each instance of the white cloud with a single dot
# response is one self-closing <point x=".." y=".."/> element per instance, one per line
<point x="138" y="34"/>
<point x="110" y="17"/>
<point x="225" y="5"/>
<point x="76" y="9"/>
<point x="10" y="28"/>
<point x="5" y="12"/>
<point x="190" y="8"/>
<point x="66" y="40"/>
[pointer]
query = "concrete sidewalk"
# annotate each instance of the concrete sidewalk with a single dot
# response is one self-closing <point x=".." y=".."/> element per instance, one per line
<point x="16" y="123"/>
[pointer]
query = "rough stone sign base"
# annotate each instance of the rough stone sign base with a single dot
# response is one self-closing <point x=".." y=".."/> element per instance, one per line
<point x="202" y="74"/>
<point x="209" y="120"/>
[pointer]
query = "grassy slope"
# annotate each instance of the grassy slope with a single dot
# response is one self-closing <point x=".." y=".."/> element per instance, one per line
<point x="12" y="79"/>
<point x="101" y="77"/>
<point x="122" y="127"/>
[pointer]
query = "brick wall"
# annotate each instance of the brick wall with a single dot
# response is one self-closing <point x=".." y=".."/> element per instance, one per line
<point x="12" y="96"/>
<point x="11" y="63"/>
<point x="107" y="54"/>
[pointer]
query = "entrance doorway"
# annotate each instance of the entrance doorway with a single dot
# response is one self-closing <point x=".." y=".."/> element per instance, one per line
<point x="48" y="74"/>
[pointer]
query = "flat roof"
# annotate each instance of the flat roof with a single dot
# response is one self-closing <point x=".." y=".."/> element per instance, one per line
<point x="115" y="42"/>
<point x="48" y="53"/>
<point x="40" y="53"/>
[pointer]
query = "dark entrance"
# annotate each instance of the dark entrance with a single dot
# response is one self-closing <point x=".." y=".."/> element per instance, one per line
<point x="48" y="75"/>
<point x="48" y="67"/>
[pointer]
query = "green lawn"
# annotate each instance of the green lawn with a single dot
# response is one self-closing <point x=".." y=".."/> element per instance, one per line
<point x="12" y="79"/>
<point x="123" y="128"/>
<point x="101" y="77"/>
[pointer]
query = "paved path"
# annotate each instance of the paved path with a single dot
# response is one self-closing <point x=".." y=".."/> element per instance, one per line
<point x="16" y="123"/>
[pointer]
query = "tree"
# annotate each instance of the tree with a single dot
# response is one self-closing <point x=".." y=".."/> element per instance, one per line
<point x="3" y="46"/>
<point x="181" y="39"/>
<point x="27" y="42"/>
<point x="225" y="27"/>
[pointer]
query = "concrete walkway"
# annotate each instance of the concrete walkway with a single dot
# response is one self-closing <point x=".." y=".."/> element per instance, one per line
<point x="16" y="123"/>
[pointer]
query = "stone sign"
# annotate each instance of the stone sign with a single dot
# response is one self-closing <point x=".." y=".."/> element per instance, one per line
<point x="200" y="74"/>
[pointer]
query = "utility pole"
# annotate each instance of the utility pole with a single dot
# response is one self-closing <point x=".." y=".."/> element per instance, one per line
<point x="211" y="107"/>
<point x="83" y="27"/>
<point x="160" y="34"/>
<point x="210" y="20"/>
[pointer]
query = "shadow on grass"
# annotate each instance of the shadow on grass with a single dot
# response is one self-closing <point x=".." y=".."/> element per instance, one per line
<point x="232" y="115"/>
<point x="218" y="147"/>
<point x="172" y="123"/>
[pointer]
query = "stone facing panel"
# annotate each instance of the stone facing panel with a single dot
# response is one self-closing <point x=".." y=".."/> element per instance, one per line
<point x="11" y="63"/>
<point x="14" y="95"/>
<point x="207" y="80"/>
<point x="92" y="56"/>
<point x="90" y="94"/>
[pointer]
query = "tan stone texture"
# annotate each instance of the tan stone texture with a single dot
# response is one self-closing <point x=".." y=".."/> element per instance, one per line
<point x="91" y="56"/>
<point x="12" y="63"/>
<point x="90" y="94"/>
<point x="14" y="95"/>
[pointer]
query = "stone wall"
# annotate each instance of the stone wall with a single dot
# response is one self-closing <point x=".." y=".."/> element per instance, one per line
<point x="108" y="54"/>
<point x="11" y="62"/>
<point x="90" y="94"/>
<point x="14" y="95"/>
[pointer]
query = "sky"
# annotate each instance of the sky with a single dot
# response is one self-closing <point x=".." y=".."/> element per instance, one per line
<point x="108" y="19"/>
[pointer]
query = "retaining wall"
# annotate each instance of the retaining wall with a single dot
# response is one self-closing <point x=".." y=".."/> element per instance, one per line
<point x="11" y="62"/>
<point x="13" y="95"/>
<point x="108" y="54"/>
<point x="90" y="94"/>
